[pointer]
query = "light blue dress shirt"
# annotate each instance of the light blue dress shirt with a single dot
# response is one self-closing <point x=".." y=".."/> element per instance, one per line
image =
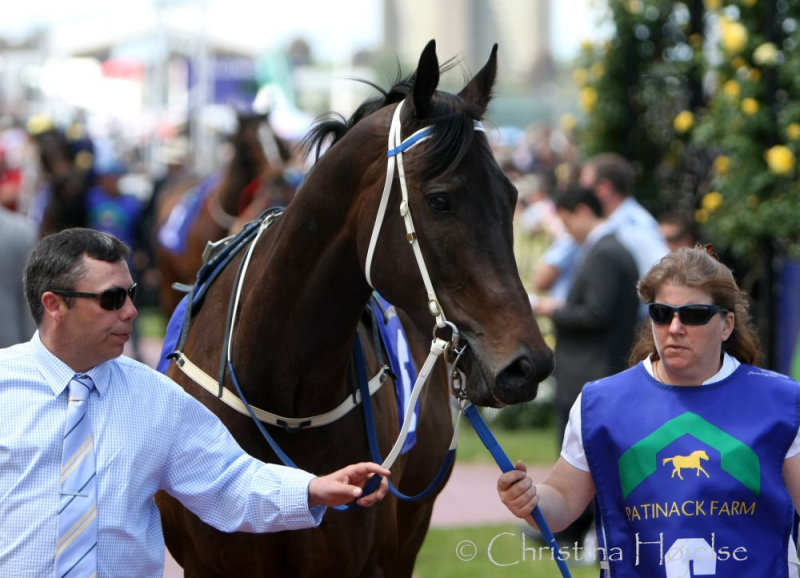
<point x="639" y="233"/>
<point x="149" y="435"/>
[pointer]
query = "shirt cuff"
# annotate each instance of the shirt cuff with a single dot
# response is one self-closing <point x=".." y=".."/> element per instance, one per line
<point x="294" y="500"/>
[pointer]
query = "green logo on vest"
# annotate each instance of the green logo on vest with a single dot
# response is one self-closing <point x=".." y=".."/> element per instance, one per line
<point x="639" y="461"/>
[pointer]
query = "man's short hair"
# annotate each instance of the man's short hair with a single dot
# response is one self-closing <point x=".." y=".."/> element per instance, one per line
<point x="57" y="262"/>
<point x="574" y="195"/>
<point x="615" y="169"/>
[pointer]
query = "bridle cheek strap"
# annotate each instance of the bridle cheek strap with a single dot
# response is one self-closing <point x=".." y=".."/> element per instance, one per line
<point x="395" y="149"/>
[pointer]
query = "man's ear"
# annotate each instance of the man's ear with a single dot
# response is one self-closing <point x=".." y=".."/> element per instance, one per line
<point x="582" y="209"/>
<point x="52" y="304"/>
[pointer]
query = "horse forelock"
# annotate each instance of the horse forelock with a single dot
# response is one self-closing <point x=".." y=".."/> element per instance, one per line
<point x="451" y="117"/>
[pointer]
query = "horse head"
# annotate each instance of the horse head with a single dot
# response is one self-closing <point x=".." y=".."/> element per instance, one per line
<point x="462" y="207"/>
<point x="67" y="166"/>
<point x="257" y="161"/>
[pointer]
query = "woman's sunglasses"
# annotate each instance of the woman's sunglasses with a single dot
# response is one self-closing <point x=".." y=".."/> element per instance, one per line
<point x="110" y="299"/>
<point x="662" y="314"/>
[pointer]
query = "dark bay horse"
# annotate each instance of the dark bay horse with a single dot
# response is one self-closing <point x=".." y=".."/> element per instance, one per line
<point x="254" y="171"/>
<point x="67" y="170"/>
<point x="304" y="291"/>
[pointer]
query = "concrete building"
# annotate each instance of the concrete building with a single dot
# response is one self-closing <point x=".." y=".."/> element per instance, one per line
<point x="467" y="29"/>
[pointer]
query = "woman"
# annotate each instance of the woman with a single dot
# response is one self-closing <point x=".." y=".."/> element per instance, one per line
<point x="693" y="453"/>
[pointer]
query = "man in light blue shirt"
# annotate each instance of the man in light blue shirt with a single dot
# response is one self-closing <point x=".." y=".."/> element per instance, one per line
<point x="149" y="435"/>
<point x="612" y="179"/>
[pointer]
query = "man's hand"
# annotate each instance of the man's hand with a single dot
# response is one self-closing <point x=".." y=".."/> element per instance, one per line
<point x="343" y="486"/>
<point x="546" y="305"/>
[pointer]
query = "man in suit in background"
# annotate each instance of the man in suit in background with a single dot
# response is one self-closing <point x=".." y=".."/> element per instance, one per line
<point x="595" y="324"/>
<point x="17" y="237"/>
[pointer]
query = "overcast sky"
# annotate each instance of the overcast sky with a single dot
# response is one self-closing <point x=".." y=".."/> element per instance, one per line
<point x="263" y="24"/>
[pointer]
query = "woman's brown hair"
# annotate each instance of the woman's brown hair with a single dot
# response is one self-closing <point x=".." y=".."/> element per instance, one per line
<point x="698" y="268"/>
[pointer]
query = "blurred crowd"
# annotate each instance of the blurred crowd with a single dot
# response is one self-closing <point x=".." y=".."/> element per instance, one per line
<point x="122" y="183"/>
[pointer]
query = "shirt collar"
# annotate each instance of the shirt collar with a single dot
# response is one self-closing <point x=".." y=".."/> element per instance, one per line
<point x="729" y="365"/>
<point x="57" y="374"/>
<point x="624" y="210"/>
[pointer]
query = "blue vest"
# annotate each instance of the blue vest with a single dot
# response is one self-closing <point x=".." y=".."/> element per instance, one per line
<point x="689" y="479"/>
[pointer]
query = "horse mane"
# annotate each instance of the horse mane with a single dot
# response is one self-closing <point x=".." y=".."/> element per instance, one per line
<point x="451" y="116"/>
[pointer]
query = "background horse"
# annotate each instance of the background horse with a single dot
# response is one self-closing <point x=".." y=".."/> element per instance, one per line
<point x="304" y="296"/>
<point x="254" y="172"/>
<point x="67" y="171"/>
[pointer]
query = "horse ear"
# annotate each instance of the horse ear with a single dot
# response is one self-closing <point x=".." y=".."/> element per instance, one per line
<point x="426" y="79"/>
<point x="478" y="91"/>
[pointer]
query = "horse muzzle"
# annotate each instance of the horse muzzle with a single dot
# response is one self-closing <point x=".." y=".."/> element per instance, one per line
<point x="516" y="379"/>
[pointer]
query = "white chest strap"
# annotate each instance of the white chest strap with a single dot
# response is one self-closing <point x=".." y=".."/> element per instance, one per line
<point x="211" y="385"/>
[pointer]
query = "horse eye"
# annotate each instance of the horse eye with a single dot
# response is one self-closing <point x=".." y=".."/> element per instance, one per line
<point x="438" y="202"/>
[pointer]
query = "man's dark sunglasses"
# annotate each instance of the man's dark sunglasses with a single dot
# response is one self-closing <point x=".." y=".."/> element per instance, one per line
<point x="110" y="299"/>
<point x="688" y="314"/>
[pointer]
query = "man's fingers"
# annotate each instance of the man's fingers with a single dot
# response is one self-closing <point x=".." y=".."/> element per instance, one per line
<point x="375" y="496"/>
<point x="365" y="470"/>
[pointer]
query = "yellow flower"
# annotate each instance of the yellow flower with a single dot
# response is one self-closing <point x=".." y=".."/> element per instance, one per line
<point x="568" y="122"/>
<point x="588" y="98"/>
<point x="597" y="70"/>
<point x="701" y="216"/>
<point x="635" y="6"/>
<point x="587" y="46"/>
<point x="713" y="5"/>
<point x="780" y="160"/>
<point x="721" y="165"/>
<point x="755" y="74"/>
<point x="766" y="54"/>
<point x="712" y="201"/>
<point x="750" y="106"/>
<point x="793" y="131"/>
<point x="683" y="121"/>
<point x="749" y="3"/>
<point x="580" y="76"/>
<point x="734" y="36"/>
<point x="738" y="62"/>
<point x="732" y="88"/>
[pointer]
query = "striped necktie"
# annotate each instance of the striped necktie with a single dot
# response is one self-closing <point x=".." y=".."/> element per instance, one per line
<point x="76" y="549"/>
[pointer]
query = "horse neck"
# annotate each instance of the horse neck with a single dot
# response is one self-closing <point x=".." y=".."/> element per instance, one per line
<point x="311" y="286"/>
<point x="245" y="165"/>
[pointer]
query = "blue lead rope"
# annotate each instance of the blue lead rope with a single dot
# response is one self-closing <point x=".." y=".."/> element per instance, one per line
<point x="505" y="464"/>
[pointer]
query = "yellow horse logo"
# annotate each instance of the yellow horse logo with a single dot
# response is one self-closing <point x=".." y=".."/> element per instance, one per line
<point x="692" y="461"/>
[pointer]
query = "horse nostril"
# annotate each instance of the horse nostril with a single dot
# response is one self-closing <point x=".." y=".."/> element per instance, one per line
<point x="518" y="381"/>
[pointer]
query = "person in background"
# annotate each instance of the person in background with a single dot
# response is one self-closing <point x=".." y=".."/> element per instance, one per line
<point x="109" y="210"/>
<point x="17" y="237"/>
<point x="611" y="177"/>
<point x="679" y="230"/>
<point x="692" y="454"/>
<point x="89" y="508"/>
<point x="595" y="324"/>
<point x="10" y="183"/>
